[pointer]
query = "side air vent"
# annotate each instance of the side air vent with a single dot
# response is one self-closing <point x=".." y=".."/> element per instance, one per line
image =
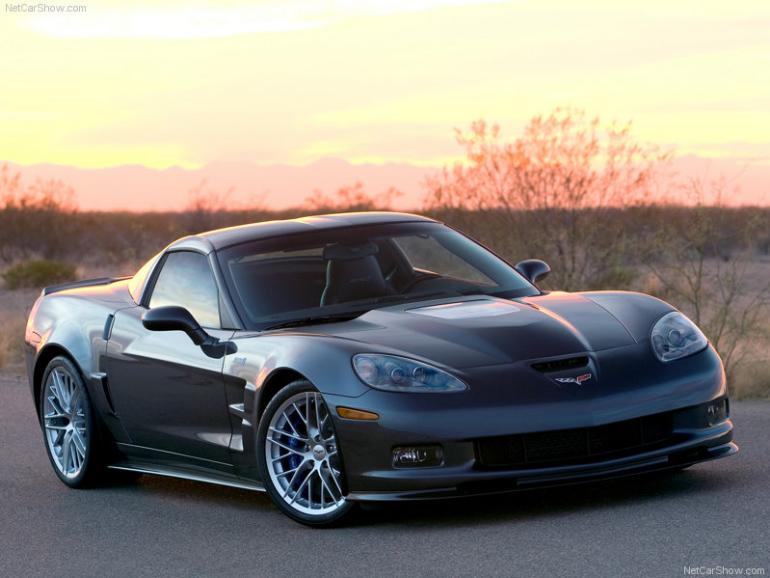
<point x="561" y="364"/>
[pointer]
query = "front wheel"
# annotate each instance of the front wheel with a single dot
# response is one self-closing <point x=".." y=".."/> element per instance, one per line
<point x="299" y="459"/>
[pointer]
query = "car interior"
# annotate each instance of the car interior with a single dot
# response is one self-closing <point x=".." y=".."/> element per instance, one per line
<point x="321" y="276"/>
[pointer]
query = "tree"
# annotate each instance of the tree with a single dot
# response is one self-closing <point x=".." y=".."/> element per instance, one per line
<point x="547" y="192"/>
<point x="351" y="198"/>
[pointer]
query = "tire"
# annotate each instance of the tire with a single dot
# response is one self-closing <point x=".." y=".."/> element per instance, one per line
<point x="301" y="464"/>
<point x="70" y="432"/>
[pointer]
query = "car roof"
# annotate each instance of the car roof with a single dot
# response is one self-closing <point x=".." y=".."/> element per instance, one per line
<point x="220" y="238"/>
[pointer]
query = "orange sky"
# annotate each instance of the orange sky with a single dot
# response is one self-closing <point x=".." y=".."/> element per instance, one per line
<point x="186" y="83"/>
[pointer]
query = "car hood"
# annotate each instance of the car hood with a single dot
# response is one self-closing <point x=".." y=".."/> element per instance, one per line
<point x="480" y="331"/>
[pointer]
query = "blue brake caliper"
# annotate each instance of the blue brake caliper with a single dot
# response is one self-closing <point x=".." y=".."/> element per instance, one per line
<point x="294" y="459"/>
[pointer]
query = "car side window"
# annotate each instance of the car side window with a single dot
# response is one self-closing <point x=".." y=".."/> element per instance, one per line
<point x="186" y="280"/>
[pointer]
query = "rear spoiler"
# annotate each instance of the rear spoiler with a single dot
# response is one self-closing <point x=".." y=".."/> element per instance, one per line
<point x="84" y="283"/>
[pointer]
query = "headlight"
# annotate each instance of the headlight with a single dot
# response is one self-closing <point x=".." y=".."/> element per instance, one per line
<point x="393" y="373"/>
<point x="674" y="336"/>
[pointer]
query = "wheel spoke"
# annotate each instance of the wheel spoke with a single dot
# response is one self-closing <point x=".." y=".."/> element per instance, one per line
<point x="79" y="443"/>
<point x="280" y="445"/>
<point x="301" y="487"/>
<point x="52" y="427"/>
<point x="75" y="401"/>
<point x="299" y="413"/>
<point x="75" y="457"/>
<point x="326" y="486"/>
<point x="317" y="415"/>
<point x="287" y="434"/>
<point x="288" y="472"/>
<point x="63" y="389"/>
<point x="66" y="452"/>
<point x="293" y="479"/>
<point x="334" y="476"/>
<point x="291" y="425"/>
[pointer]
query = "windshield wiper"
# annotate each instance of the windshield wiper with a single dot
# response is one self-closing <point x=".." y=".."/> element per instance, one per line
<point x="316" y="320"/>
<point x="417" y="296"/>
<point x="339" y="317"/>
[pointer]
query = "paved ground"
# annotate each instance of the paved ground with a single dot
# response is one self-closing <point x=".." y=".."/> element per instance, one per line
<point x="713" y="515"/>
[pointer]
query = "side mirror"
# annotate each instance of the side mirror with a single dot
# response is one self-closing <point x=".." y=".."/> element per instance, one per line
<point x="173" y="318"/>
<point x="533" y="270"/>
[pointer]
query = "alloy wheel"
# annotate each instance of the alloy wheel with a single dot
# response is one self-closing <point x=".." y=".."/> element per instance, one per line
<point x="302" y="457"/>
<point x="64" y="420"/>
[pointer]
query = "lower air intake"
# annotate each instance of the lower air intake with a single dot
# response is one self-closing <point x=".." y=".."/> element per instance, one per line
<point x="570" y="446"/>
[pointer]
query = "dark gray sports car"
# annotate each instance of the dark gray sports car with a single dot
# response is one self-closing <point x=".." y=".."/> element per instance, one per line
<point x="372" y="356"/>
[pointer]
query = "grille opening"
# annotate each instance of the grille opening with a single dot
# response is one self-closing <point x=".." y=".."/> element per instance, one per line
<point x="561" y="364"/>
<point x="580" y="445"/>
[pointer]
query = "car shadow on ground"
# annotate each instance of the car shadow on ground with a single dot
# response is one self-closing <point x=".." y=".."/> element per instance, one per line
<point x="554" y="501"/>
<point x="488" y="509"/>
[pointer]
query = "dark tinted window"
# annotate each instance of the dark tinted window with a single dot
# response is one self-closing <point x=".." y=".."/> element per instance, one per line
<point x="186" y="280"/>
<point x="352" y="269"/>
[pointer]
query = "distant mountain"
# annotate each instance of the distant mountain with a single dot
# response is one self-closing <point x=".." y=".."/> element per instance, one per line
<point x="138" y="188"/>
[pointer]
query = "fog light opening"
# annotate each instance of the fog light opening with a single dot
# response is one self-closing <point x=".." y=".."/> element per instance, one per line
<point x="716" y="411"/>
<point x="418" y="457"/>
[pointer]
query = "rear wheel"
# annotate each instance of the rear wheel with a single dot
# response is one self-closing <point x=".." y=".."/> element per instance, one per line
<point x="299" y="459"/>
<point x="69" y="426"/>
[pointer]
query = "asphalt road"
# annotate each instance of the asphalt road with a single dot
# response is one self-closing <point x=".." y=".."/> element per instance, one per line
<point x="713" y="515"/>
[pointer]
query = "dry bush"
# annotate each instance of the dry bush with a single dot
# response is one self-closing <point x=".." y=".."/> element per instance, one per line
<point x="350" y="198"/>
<point x="14" y="308"/>
<point x="697" y="267"/>
<point x="751" y="379"/>
<point x="11" y="342"/>
<point x="550" y="193"/>
<point x="38" y="273"/>
<point x="35" y="220"/>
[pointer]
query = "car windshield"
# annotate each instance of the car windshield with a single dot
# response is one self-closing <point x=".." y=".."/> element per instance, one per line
<point x="338" y="274"/>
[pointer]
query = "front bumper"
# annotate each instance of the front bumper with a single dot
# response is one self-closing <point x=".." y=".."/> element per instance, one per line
<point x="465" y="481"/>
<point x="689" y="439"/>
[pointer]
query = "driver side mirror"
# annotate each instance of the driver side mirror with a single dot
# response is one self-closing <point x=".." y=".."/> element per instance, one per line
<point x="174" y="318"/>
<point x="533" y="270"/>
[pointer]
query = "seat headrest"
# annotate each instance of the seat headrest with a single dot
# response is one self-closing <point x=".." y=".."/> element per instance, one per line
<point x="339" y="252"/>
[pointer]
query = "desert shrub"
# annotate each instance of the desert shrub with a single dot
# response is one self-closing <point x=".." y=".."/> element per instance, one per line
<point x="704" y="267"/>
<point x="11" y="336"/>
<point x="38" y="273"/>
<point x="351" y="198"/>
<point x="37" y="219"/>
<point x="559" y="191"/>
<point x="751" y="380"/>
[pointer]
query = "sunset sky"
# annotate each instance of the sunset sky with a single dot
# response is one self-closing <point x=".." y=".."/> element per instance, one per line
<point x="291" y="81"/>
